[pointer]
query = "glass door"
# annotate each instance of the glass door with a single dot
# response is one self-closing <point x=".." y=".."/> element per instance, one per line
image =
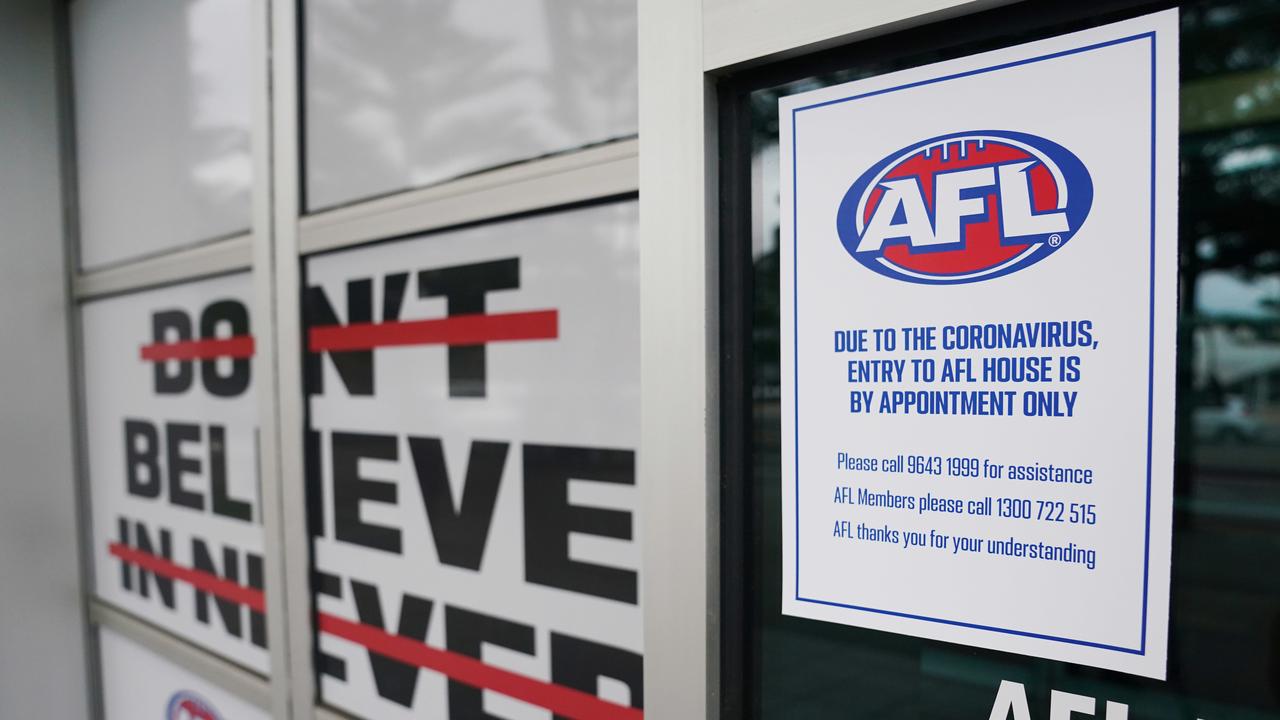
<point x="1224" y="630"/>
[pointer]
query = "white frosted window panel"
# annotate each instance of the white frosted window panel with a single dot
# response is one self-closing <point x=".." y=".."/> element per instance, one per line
<point x="406" y="93"/>
<point x="162" y="103"/>
<point x="137" y="683"/>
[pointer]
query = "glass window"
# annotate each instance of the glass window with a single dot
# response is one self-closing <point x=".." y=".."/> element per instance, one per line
<point x="137" y="683"/>
<point x="162" y="105"/>
<point x="405" y="93"/>
<point x="171" y="454"/>
<point x="1224" y="659"/>
<point x="473" y="424"/>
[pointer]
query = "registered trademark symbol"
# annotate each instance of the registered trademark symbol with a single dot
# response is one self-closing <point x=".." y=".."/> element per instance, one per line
<point x="1055" y="240"/>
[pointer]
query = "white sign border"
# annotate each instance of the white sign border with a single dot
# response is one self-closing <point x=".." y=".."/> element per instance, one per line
<point x="1160" y="30"/>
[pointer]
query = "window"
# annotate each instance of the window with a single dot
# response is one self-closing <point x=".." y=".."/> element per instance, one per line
<point x="1225" y="617"/>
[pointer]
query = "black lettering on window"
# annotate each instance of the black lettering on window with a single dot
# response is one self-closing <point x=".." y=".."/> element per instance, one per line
<point x="350" y="490"/>
<point x="464" y="288"/>
<point x="549" y="518"/>
<point x="460" y="535"/>
<point x="465" y="633"/>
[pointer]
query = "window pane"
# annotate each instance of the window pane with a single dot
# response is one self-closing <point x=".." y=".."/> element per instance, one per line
<point x="171" y="427"/>
<point x="473" y="415"/>
<point x="405" y="93"/>
<point x="137" y="683"/>
<point x="162" y="105"/>
<point x="1225" y="612"/>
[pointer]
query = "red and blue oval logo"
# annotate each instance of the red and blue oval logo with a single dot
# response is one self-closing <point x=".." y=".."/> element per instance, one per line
<point x="186" y="705"/>
<point x="965" y="207"/>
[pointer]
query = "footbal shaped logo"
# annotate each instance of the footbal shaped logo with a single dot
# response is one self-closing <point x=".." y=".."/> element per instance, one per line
<point x="186" y="705"/>
<point x="965" y="207"/>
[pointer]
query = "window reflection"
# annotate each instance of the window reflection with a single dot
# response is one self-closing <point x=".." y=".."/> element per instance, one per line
<point x="162" y="104"/>
<point x="405" y="93"/>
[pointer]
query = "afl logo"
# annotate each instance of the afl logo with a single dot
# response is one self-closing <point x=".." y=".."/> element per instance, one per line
<point x="186" y="705"/>
<point x="965" y="207"/>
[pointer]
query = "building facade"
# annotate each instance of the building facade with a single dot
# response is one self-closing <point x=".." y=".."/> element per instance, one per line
<point x="430" y="359"/>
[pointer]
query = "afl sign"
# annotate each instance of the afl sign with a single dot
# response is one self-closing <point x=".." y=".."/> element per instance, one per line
<point x="965" y="207"/>
<point x="977" y="265"/>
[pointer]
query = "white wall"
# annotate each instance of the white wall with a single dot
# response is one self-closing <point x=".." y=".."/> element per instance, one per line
<point x="42" y="641"/>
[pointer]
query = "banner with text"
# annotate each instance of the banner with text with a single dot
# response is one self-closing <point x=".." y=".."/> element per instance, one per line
<point x="171" y="427"/>
<point x="473" y="405"/>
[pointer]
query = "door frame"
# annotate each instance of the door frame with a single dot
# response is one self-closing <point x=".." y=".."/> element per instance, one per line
<point x="686" y="50"/>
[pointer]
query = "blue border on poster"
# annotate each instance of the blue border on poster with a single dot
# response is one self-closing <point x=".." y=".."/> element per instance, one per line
<point x="1146" y="563"/>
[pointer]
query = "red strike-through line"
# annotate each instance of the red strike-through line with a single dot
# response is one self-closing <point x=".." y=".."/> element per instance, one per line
<point x="466" y="669"/>
<point x="559" y="699"/>
<point x="239" y="346"/>
<point x="212" y="584"/>
<point x="456" y="330"/>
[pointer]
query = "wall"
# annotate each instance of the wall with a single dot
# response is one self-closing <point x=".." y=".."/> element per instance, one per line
<point x="42" y="642"/>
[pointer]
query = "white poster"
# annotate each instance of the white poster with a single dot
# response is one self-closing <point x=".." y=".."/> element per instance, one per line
<point x="138" y="684"/>
<point x="171" y="426"/>
<point x="978" y="326"/>
<point x="473" y="399"/>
